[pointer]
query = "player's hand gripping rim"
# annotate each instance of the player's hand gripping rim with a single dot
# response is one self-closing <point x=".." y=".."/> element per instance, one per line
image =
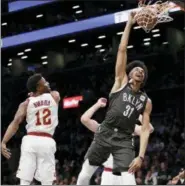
<point x="5" y="151"/>
<point x="135" y="165"/>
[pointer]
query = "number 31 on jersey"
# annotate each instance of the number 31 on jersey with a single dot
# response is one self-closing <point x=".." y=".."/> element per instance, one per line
<point x="128" y="112"/>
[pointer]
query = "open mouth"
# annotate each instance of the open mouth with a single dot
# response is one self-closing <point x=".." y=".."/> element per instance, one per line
<point x="139" y="75"/>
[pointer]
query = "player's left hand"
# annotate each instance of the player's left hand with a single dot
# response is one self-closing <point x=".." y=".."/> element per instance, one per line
<point x="135" y="165"/>
<point x="5" y="151"/>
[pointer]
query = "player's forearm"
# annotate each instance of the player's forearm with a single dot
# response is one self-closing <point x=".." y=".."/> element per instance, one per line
<point x="11" y="130"/>
<point x="125" y="37"/>
<point x="122" y="53"/>
<point x="144" y="136"/>
<point x="182" y="175"/>
<point x="89" y="113"/>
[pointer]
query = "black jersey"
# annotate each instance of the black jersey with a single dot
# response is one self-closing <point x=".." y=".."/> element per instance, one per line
<point x="125" y="106"/>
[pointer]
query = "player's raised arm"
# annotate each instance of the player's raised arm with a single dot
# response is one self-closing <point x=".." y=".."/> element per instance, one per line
<point x="86" y="117"/>
<point x="13" y="127"/>
<point x="56" y="96"/>
<point x="120" y="69"/>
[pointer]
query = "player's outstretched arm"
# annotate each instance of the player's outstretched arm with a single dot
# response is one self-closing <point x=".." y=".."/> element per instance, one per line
<point x="144" y="135"/>
<point x="13" y="127"/>
<point x="120" y="69"/>
<point x="86" y="117"/>
<point x="145" y="129"/>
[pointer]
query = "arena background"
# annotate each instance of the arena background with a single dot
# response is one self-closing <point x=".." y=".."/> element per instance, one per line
<point x="74" y="45"/>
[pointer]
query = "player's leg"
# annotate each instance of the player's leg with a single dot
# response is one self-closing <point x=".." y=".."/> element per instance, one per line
<point x="86" y="173"/>
<point x="108" y="178"/>
<point x="122" y="159"/>
<point x="46" y="161"/>
<point x="96" y="155"/>
<point x="27" y="162"/>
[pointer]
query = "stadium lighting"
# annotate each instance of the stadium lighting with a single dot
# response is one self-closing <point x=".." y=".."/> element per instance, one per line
<point x="155" y="30"/>
<point x="98" y="46"/>
<point x="165" y="43"/>
<point x="44" y="62"/>
<point x="76" y="6"/>
<point x="78" y="12"/>
<point x="9" y="64"/>
<point x="44" y="57"/>
<point x="72" y="41"/>
<point x="27" y="50"/>
<point x="4" y="24"/>
<point x="102" y="50"/>
<point x="147" y="43"/>
<point x="20" y="53"/>
<point x="130" y="46"/>
<point x="24" y="57"/>
<point x="84" y="44"/>
<point x="156" y="35"/>
<point x="119" y="33"/>
<point x="101" y="37"/>
<point x="39" y="15"/>
<point x="10" y="60"/>
<point x="147" y="39"/>
<point x="137" y="27"/>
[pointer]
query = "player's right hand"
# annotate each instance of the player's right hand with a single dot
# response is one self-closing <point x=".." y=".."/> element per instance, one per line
<point x="131" y="17"/>
<point x="5" y="151"/>
<point x="102" y="102"/>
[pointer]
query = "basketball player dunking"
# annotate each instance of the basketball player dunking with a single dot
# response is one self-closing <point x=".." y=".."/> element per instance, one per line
<point x="38" y="147"/>
<point x="107" y="178"/>
<point x="127" y="102"/>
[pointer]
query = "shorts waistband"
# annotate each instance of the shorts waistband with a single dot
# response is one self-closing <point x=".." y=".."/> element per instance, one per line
<point x="43" y="134"/>
<point x="106" y="169"/>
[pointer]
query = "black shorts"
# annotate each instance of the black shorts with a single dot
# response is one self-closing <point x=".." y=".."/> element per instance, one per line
<point x="108" y="141"/>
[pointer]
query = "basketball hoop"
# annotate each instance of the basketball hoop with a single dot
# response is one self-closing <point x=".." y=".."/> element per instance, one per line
<point x="150" y="15"/>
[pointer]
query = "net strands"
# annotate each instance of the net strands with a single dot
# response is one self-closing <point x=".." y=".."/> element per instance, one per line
<point x="150" y="15"/>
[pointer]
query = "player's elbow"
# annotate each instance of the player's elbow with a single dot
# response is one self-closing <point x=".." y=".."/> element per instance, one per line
<point x="84" y="120"/>
<point x="122" y="48"/>
<point x="145" y="131"/>
<point x="151" y="129"/>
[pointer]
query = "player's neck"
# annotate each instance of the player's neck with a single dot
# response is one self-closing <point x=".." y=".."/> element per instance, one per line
<point x="135" y="86"/>
<point x="37" y="94"/>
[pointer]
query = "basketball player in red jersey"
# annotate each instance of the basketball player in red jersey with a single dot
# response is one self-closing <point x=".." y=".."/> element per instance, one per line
<point x="107" y="178"/>
<point x="38" y="147"/>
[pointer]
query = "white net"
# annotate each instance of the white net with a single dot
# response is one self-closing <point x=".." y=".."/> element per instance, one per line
<point x="150" y="15"/>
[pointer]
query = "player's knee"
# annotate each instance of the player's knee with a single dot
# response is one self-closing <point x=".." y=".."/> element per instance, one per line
<point x="86" y="173"/>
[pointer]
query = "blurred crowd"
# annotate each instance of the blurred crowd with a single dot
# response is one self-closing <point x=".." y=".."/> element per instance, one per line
<point x="165" y="155"/>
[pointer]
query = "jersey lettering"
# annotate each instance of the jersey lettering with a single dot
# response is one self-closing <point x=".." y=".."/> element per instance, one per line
<point x="46" y="117"/>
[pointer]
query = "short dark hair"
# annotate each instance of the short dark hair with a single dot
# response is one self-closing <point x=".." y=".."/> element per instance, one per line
<point x="137" y="63"/>
<point x="33" y="82"/>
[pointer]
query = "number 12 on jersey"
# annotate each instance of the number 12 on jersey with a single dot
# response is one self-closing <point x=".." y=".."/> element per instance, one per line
<point x="43" y="117"/>
<point x="129" y="110"/>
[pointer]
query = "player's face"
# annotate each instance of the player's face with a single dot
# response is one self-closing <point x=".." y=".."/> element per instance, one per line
<point x="44" y="86"/>
<point x="137" y="74"/>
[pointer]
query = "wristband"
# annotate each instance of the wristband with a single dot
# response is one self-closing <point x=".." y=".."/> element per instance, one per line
<point x="142" y="159"/>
